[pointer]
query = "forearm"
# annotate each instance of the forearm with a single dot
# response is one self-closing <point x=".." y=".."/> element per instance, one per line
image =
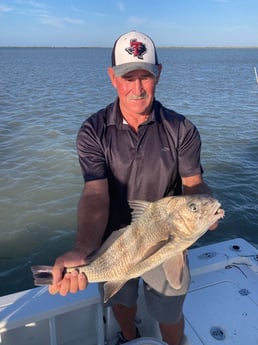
<point x="195" y="185"/>
<point x="93" y="212"/>
<point x="201" y="188"/>
<point x="92" y="216"/>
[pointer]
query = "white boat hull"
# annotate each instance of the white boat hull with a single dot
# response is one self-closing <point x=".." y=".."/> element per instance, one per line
<point x="221" y="307"/>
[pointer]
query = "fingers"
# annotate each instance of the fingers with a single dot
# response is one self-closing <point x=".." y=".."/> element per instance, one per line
<point x="82" y="281"/>
<point x="58" y="271"/>
<point x="78" y="281"/>
<point x="53" y="289"/>
<point x="68" y="282"/>
<point x="71" y="282"/>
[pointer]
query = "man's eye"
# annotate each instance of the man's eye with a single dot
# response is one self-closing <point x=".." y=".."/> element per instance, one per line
<point x="128" y="79"/>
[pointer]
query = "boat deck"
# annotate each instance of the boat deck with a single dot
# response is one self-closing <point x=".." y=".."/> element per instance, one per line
<point x="221" y="306"/>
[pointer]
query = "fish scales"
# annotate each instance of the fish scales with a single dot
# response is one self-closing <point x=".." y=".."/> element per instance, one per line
<point x="133" y="244"/>
<point x="160" y="233"/>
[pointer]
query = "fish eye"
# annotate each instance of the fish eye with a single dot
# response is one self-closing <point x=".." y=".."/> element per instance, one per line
<point x="193" y="207"/>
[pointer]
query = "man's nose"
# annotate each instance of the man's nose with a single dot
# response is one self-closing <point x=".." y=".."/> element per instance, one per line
<point x="138" y="88"/>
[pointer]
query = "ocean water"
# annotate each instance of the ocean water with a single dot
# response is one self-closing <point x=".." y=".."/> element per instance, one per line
<point x="45" y="94"/>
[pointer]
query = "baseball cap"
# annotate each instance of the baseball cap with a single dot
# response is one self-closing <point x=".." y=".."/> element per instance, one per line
<point x="134" y="50"/>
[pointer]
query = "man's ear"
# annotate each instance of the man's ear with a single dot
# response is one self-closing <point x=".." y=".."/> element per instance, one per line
<point x="112" y="76"/>
<point x="160" y="69"/>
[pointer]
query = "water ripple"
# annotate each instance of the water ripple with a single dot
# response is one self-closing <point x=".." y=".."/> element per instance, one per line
<point x="45" y="94"/>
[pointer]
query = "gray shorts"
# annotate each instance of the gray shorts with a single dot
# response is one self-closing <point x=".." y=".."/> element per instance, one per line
<point x="163" y="303"/>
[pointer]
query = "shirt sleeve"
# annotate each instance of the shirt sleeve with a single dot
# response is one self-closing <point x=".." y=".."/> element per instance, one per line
<point x="189" y="150"/>
<point x="91" y="153"/>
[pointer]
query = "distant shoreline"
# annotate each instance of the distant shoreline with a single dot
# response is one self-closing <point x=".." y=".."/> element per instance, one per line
<point x="159" y="47"/>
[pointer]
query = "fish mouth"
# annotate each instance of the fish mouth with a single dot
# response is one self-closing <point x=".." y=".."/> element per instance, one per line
<point x="218" y="212"/>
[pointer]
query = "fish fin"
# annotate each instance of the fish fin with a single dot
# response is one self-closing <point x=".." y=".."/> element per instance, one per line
<point x="154" y="249"/>
<point x="112" y="287"/>
<point x="173" y="269"/>
<point x="148" y="260"/>
<point x="138" y="207"/>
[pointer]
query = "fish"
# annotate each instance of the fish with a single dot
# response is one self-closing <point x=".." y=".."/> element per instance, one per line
<point x="160" y="233"/>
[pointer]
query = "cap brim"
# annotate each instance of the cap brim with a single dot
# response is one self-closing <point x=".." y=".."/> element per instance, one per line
<point x="122" y="69"/>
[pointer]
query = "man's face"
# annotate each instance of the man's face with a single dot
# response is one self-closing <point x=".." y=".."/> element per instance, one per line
<point x="135" y="90"/>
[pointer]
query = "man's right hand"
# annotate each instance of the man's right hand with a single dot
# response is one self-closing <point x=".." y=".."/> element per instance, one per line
<point x="70" y="282"/>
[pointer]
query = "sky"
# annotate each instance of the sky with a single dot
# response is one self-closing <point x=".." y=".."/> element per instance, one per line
<point x="73" y="23"/>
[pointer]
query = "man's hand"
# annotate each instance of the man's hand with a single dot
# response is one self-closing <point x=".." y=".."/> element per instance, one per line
<point x="70" y="282"/>
<point x="214" y="226"/>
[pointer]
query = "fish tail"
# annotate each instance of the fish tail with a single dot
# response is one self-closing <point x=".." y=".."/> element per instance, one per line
<point x="42" y="275"/>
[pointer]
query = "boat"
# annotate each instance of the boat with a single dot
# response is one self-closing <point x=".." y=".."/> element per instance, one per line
<point x="221" y="307"/>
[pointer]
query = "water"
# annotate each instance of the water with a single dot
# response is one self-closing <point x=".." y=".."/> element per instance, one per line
<point x="45" y="94"/>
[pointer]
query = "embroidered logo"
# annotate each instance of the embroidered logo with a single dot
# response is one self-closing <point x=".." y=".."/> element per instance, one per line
<point x="137" y="49"/>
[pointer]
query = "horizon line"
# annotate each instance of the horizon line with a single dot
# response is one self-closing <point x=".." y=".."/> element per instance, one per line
<point x="105" y="47"/>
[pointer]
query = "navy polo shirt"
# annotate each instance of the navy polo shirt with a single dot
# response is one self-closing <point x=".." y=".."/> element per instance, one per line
<point x="146" y="165"/>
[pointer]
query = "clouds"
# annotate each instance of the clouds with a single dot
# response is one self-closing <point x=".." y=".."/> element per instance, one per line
<point x="40" y="12"/>
<point x="30" y="3"/>
<point x="5" y="8"/>
<point x="99" y="22"/>
<point x="58" y="22"/>
<point x="132" y="20"/>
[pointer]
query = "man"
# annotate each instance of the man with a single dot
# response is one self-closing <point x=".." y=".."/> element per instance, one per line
<point x="133" y="149"/>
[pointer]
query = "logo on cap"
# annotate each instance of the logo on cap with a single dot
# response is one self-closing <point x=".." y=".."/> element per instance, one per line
<point x="137" y="49"/>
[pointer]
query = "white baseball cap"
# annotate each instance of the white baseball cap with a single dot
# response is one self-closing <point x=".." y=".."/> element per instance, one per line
<point x="132" y="51"/>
